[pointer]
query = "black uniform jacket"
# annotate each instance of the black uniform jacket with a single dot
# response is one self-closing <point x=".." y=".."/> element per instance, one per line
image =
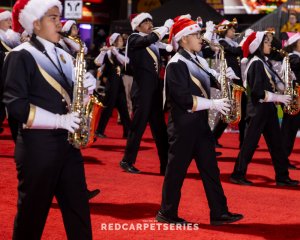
<point x="30" y="80"/>
<point x="184" y="81"/>
<point x="259" y="80"/>
<point x="295" y="65"/>
<point x="144" y="60"/>
<point x="232" y="56"/>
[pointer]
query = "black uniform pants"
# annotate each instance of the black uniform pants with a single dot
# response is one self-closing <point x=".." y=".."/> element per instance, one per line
<point x="289" y="128"/>
<point x="147" y="107"/>
<point x="186" y="144"/>
<point x="221" y="126"/>
<point x="265" y="122"/>
<point x="115" y="96"/>
<point x="49" y="166"/>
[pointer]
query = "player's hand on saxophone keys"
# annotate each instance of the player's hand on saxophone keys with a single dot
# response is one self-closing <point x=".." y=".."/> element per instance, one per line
<point x="89" y="82"/>
<point x="221" y="105"/>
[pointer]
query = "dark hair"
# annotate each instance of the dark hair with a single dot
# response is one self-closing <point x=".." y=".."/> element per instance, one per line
<point x="291" y="47"/>
<point x="222" y="34"/>
<point x="259" y="51"/>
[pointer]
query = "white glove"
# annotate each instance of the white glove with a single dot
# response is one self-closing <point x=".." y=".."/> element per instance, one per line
<point x="230" y="74"/>
<point x="210" y="26"/>
<point x="220" y="105"/>
<point x="89" y="82"/>
<point x="273" y="97"/>
<point x="115" y="51"/>
<point x="169" y="23"/>
<point x="44" y="119"/>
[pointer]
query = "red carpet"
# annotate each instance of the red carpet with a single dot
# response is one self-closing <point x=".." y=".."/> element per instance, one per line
<point x="270" y="212"/>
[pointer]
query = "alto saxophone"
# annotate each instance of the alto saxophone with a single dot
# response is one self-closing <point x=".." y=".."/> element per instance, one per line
<point x="89" y="111"/>
<point x="293" y="107"/>
<point x="231" y="91"/>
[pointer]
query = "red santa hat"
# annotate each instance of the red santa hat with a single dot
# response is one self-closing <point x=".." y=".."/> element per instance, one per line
<point x="292" y="39"/>
<point x="113" y="38"/>
<point x="251" y="44"/>
<point x="4" y="14"/>
<point x="28" y="11"/>
<point x="137" y="19"/>
<point x="183" y="27"/>
<point x="67" y="25"/>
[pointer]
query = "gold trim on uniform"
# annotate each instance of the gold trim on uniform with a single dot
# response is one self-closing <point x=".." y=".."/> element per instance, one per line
<point x="199" y="85"/>
<point x="31" y="116"/>
<point x="56" y="86"/>
<point x="195" y="103"/>
<point x="270" y="79"/>
<point x="6" y="46"/>
<point x="153" y="55"/>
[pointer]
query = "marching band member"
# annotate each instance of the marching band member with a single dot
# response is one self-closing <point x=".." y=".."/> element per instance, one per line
<point x="146" y="90"/>
<point x="115" y="95"/>
<point x="290" y="123"/>
<point x="233" y="53"/>
<point x="188" y="86"/>
<point x="8" y="40"/>
<point x="70" y="28"/>
<point x="262" y="113"/>
<point x="38" y="96"/>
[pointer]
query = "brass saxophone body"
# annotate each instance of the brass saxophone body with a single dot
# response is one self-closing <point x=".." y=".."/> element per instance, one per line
<point x="89" y="111"/>
<point x="293" y="107"/>
<point x="231" y="91"/>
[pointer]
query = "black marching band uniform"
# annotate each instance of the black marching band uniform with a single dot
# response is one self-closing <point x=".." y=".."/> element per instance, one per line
<point x="47" y="164"/>
<point x="261" y="118"/>
<point x="191" y="132"/>
<point x="115" y="95"/>
<point x="146" y="99"/>
<point x="290" y="123"/>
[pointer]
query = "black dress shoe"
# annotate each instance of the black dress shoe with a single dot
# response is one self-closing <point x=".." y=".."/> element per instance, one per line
<point x="164" y="219"/>
<point x="218" y="145"/>
<point x="162" y="171"/>
<point x="93" y="193"/>
<point x="100" y="135"/>
<point x="288" y="183"/>
<point x="129" y="167"/>
<point x="292" y="166"/>
<point x="226" y="218"/>
<point x="241" y="181"/>
<point x="1" y="129"/>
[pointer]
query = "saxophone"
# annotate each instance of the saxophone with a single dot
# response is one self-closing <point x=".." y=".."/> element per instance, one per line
<point x="89" y="112"/>
<point x="293" y="107"/>
<point x="231" y="91"/>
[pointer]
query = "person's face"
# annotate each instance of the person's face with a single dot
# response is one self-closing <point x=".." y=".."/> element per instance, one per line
<point x="5" y="24"/>
<point x="119" y="42"/>
<point x="49" y="26"/>
<point x="145" y="27"/>
<point x="267" y="46"/>
<point x="192" y="42"/>
<point x="292" y="19"/>
<point x="230" y="33"/>
<point x="298" y="46"/>
<point x="270" y="36"/>
<point x="74" y="30"/>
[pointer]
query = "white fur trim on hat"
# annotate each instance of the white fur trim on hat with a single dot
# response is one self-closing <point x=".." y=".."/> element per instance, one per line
<point x="5" y="15"/>
<point x="292" y="39"/>
<point x="34" y="10"/>
<point x="186" y="31"/>
<point x="256" y="42"/>
<point x="113" y="38"/>
<point x="223" y="25"/>
<point x="67" y="26"/>
<point x="139" y="19"/>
